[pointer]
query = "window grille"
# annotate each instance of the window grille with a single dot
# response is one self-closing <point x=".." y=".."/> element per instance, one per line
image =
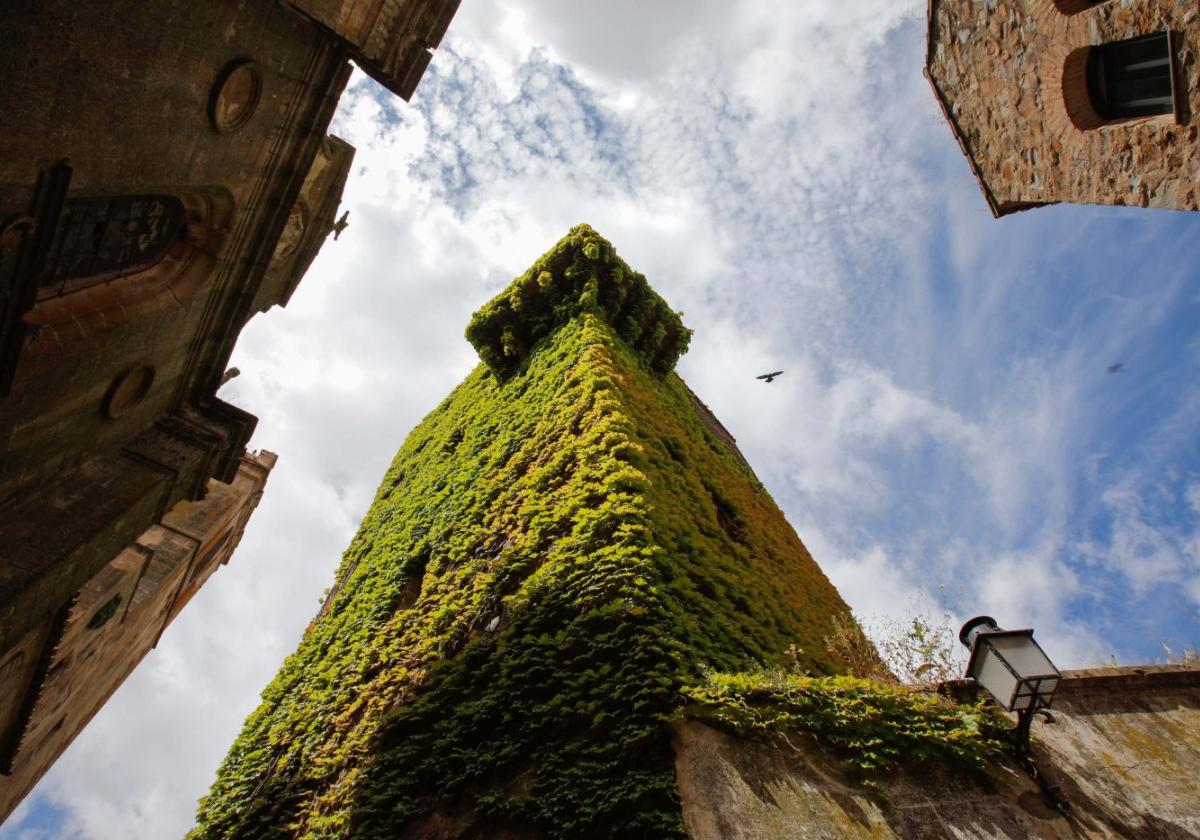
<point x="100" y="237"/>
<point x="1132" y="78"/>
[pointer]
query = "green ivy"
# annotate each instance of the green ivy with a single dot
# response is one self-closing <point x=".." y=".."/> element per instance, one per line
<point x="581" y="273"/>
<point x="555" y="553"/>
<point x="871" y="726"/>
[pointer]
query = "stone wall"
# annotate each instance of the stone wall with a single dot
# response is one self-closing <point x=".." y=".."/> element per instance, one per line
<point x="125" y="94"/>
<point x="55" y="679"/>
<point x="108" y="408"/>
<point x="391" y="40"/>
<point x="214" y="114"/>
<point x="1009" y="75"/>
<point x="1125" y="748"/>
<point x="108" y="413"/>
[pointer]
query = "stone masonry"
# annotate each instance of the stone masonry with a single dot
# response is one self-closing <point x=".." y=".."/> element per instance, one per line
<point x="165" y="174"/>
<point x="1124" y="747"/>
<point x="100" y="635"/>
<point x="1010" y="78"/>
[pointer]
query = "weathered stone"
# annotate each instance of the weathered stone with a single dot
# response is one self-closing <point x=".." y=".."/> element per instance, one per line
<point x="205" y="124"/>
<point x="1124" y="746"/>
<point x="60" y="674"/>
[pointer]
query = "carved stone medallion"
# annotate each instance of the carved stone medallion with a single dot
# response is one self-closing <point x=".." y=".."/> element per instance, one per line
<point x="235" y="96"/>
<point x="127" y="390"/>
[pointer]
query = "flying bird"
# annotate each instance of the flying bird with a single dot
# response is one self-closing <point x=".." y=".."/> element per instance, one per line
<point x="1116" y="367"/>
<point x="770" y="377"/>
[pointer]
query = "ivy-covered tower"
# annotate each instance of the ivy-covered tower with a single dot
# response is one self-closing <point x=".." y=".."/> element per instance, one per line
<point x="559" y="549"/>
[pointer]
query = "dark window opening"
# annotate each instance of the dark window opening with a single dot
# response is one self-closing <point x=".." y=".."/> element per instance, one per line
<point x="1074" y="7"/>
<point x="101" y="237"/>
<point x="206" y="560"/>
<point x="1130" y="79"/>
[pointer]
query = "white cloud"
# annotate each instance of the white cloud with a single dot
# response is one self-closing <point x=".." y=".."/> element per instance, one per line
<point x="1144" y="553"/>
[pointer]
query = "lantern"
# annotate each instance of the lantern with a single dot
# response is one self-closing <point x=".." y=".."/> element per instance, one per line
<point x="1014" y="669"/>
<point x="1010" y="665"/>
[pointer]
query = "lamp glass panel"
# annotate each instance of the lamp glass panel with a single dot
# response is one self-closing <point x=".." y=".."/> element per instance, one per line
<point x="993" y="674"/>
<point x="1024" y="655"/>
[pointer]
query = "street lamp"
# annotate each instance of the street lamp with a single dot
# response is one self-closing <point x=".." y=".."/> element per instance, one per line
<point x="1010" y="665"/>
<point x="1014" y="669"/>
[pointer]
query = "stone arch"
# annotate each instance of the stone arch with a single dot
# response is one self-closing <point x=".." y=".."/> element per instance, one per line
<point x="1074" y="7"/>
<point x="1075" y="93"/>
<point x="1080" y="98"/>
<point x="185" y="265"/>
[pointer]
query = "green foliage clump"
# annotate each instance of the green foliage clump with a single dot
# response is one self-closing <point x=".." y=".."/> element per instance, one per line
<point x="550" y="559"/>
<point x="581" y="273"/>
<point x="871" y="725"/>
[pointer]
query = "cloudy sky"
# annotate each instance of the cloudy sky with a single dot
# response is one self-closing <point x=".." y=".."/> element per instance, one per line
<point x="946" y="430"/>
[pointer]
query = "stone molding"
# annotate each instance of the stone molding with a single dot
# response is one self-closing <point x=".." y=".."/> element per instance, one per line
<point x="390" y="39"/>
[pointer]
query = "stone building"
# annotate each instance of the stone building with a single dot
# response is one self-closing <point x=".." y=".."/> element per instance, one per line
<point x="55" y="680"/>
<point x="1083" y="101"/>
<point x="165" y="174"/>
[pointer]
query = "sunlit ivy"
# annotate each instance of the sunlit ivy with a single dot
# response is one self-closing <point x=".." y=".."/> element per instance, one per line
<point x="871" y="726"/>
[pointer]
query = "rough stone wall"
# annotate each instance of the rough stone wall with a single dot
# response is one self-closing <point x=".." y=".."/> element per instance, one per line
<point x="116" y="619"/>
<point x="1007" y="74"/>
<point x="1124" y="746"/>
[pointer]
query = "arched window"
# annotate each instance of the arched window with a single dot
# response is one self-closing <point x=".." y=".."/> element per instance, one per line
<point x="1132" y="78"/>
<point x="102" y="237"/>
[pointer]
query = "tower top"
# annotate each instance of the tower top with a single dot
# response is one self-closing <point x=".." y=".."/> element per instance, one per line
<point x="581" y="274"/>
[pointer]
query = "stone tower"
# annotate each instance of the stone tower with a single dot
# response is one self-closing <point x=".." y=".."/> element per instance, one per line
<point x="1082" y="101"/>
<point x="563" y="544"/>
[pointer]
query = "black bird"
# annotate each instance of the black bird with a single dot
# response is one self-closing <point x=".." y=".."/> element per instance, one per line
<point x="770" y="377"/>
<point x="1116" y="367"/>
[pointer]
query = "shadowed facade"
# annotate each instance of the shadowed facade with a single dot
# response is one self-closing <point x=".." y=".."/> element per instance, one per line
<point x="165" y="174"/>
<point x="115" y="620"/>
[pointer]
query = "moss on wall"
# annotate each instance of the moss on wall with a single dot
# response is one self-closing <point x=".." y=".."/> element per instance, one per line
<point x="556" y="552"/>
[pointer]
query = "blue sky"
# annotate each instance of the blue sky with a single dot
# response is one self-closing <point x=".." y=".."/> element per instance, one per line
<point x="946" y="433"/>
